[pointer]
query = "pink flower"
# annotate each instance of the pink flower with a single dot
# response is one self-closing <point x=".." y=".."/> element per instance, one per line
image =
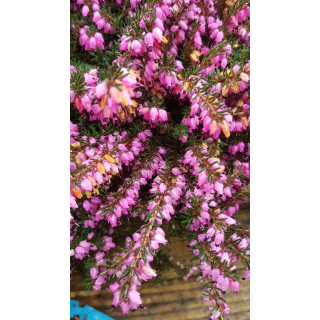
<point x="162" y="115"/>
<point x="184" y="139"/>
<point x="162" y="188"/>
<point x="124" y="204"/>
<point x="85" y="11"/>
<point x="86" y="205"/>
<point x="224" y="63"/>
<point x="218" y="186"/>
<point x="136" y="46"/>
<point x="134" y="296"/>
<point x="100" y="255"/>
<point x="158" y="23"/>
<point x="153" y="114"/>
<point x="196" y="252"/>
<point x="114" y="287"/>
<point x="95" y="7"/>
<point x="96" y="16"/>
<point x="100" y="281"/>
<point x="219" y="36"/>
<point x="157" y="33"/>
<point x="202" y="178"/>
<point x="71" y="95"/>
<point x="123" y="305"/>
<point x="234" y="285"/>
<point x="86" y="185"/>
<point x="98" y="177"/>
<point x="93" y="272"/>
<point x="244" y="77"/>
<point x="98" y="36"/>
<point x="101" y="89"/>
<point x="192" y="243"/>
<point x="149" y="39"/>
<point x="90" y="235"/>
<point x="73" y="203"/>
<point x="129" y="81"/>
<point x="225" y="284"/>
<point x="246" y="275"/>
<point x="148" y="271"/>
<point x="93" y="43"/>
<point x="80" y="250"/>
<point x="160" y="239"/>
<point x="210" y="232"/>
<point x="84" y="244"/>
<point x="167" y="80"/>
<point x="225" y="257"/>
<point x="116" y="299"/>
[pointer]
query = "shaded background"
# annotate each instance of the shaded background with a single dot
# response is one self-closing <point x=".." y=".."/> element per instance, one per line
<point x="174" y="299"/>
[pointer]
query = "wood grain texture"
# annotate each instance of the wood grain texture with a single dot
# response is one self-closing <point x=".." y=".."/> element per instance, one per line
<point x="174" y="299"/>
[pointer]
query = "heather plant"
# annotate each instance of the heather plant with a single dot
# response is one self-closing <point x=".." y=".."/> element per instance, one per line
<point x="159" y="134"/>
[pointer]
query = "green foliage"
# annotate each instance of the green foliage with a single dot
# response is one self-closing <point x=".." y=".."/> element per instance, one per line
<point x="162" y="262"/>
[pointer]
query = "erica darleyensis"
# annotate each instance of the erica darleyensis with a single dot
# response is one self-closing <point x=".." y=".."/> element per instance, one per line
<point x="159" y="134"/>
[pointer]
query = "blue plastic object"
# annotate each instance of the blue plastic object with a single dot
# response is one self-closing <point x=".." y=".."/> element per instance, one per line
<point x="86" y="312"/>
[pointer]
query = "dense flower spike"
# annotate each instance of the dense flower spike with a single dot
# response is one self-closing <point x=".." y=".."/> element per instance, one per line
<point x="160" y="143"/>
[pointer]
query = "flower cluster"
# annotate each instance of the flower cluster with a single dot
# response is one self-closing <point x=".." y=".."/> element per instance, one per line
<point x="160" y="143"/>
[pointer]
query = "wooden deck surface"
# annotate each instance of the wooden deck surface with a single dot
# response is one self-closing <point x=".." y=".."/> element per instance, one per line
<point x="175" y="299"/>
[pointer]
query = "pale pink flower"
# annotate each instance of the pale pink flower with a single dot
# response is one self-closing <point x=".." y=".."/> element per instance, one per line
<point x="148" y="271"/>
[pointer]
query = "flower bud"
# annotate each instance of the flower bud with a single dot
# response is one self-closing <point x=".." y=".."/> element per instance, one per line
<point x="122" y="115"/>
<point x="77" y="193"/>
<point x="240" y="103"/>
<point x="101" y="168"/>
<point x="244" y="77"/>
<point x="108" y="158"/>
<point x="186" y="86"/>
<point x="244" y="121"/>
<point x="225" y="128"/>
<point x="164" y="40"/>
<point x="78" y="161"/>
<point x="93" y="182"/>
<point x="93" y="72"/>
<point x="235" y="87"/>
<point x="104" y="101"/>
<point x="225" y="90"/>
<point x="213" y="126"/>
<point x="77" y="144"/>
<point x="194" y="56"/>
